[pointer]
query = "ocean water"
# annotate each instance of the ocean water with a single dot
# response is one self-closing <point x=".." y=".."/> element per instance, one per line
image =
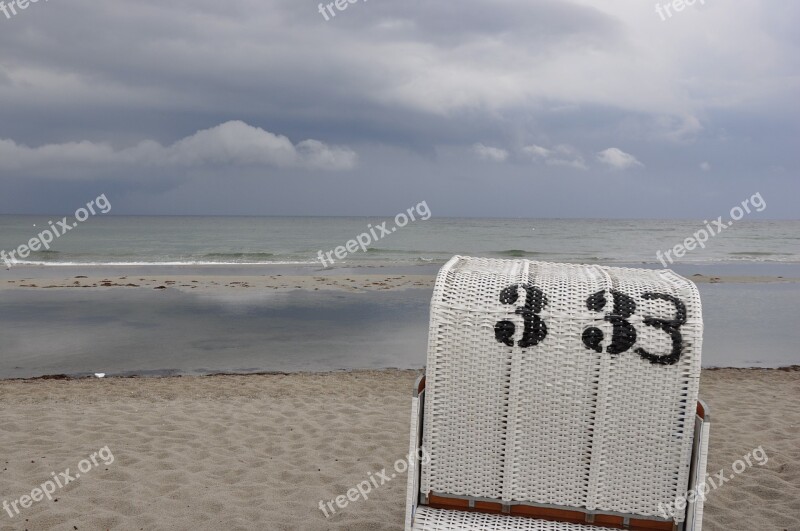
<point x="140" y="332"/>
<point x="146" y="332"/>
<point x="177" y="241"/>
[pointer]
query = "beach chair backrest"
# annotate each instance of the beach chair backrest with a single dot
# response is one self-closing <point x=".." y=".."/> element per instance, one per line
<point x="561" y="384"/>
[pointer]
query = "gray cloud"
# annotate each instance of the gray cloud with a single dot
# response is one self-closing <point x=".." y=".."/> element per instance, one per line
<point x="409" y="86"/>
<point x="490" y="153"/>
<point x="232" y="143"/>
<point x="561" y="155"/>
<point x="618" y="159"/>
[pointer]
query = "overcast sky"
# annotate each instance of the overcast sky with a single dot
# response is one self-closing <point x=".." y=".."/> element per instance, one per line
<point x="507" y="108"/>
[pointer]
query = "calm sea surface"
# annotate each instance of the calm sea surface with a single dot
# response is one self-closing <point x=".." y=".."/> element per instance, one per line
<point x="122" y="331"/>
<point x="296" y="241"/>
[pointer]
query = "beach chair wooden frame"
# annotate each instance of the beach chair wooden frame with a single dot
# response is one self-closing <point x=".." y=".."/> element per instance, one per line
<point x="539" y="461"/>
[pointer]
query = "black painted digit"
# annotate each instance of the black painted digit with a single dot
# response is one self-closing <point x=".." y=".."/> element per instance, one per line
<point x="504" y="332"/>
<point x="535" y="329"/>
<point x="597" y="302"/>
<point x="592" y="338"/>
<point x="670" y="326"/>
<point x="623" y="334"/>
<point x="509" y="295"/>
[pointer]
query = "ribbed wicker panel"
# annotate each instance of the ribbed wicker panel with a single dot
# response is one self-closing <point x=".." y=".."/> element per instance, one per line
<point x="646" y="406"/>
<point x="429" y="519"/>
<point x="561" y="384"/>
<point x="553" y="393"/>
<point x="466" y="403"/>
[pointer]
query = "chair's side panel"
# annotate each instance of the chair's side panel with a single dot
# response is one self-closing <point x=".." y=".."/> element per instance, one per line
<point x="466" y="401"/>
<point x="696" y="497"/>
<point x="412" y="490"/>
<point x="554" y="391"/>
<point x="647" y="395"/>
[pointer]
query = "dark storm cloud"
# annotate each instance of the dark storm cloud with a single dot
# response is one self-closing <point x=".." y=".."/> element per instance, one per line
<point x="390" y="101"/>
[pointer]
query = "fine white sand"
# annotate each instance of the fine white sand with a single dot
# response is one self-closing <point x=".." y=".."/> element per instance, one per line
<point x="261" y="451"/>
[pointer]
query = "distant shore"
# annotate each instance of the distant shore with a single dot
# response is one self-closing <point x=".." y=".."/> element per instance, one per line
<point x="334" y="280"/>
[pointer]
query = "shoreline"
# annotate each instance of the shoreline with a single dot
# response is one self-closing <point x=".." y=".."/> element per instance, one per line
<point x="332" y="372"/>
<point x="187" y="283"/>
<point x="313" y="281"/>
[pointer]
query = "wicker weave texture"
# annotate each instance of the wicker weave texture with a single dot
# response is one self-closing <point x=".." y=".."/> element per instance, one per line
<point x="561" y="384"/>
<point x="429" y="519"/>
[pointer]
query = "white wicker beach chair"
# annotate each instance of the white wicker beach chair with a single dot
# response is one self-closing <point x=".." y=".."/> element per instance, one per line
<point x="559" y="397"/>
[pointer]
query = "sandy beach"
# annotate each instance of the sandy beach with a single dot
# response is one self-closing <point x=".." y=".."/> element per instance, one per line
<point x="261" y="451"/>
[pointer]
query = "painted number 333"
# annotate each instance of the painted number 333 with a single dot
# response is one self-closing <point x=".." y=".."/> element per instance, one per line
<point x="623" y="333"/>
